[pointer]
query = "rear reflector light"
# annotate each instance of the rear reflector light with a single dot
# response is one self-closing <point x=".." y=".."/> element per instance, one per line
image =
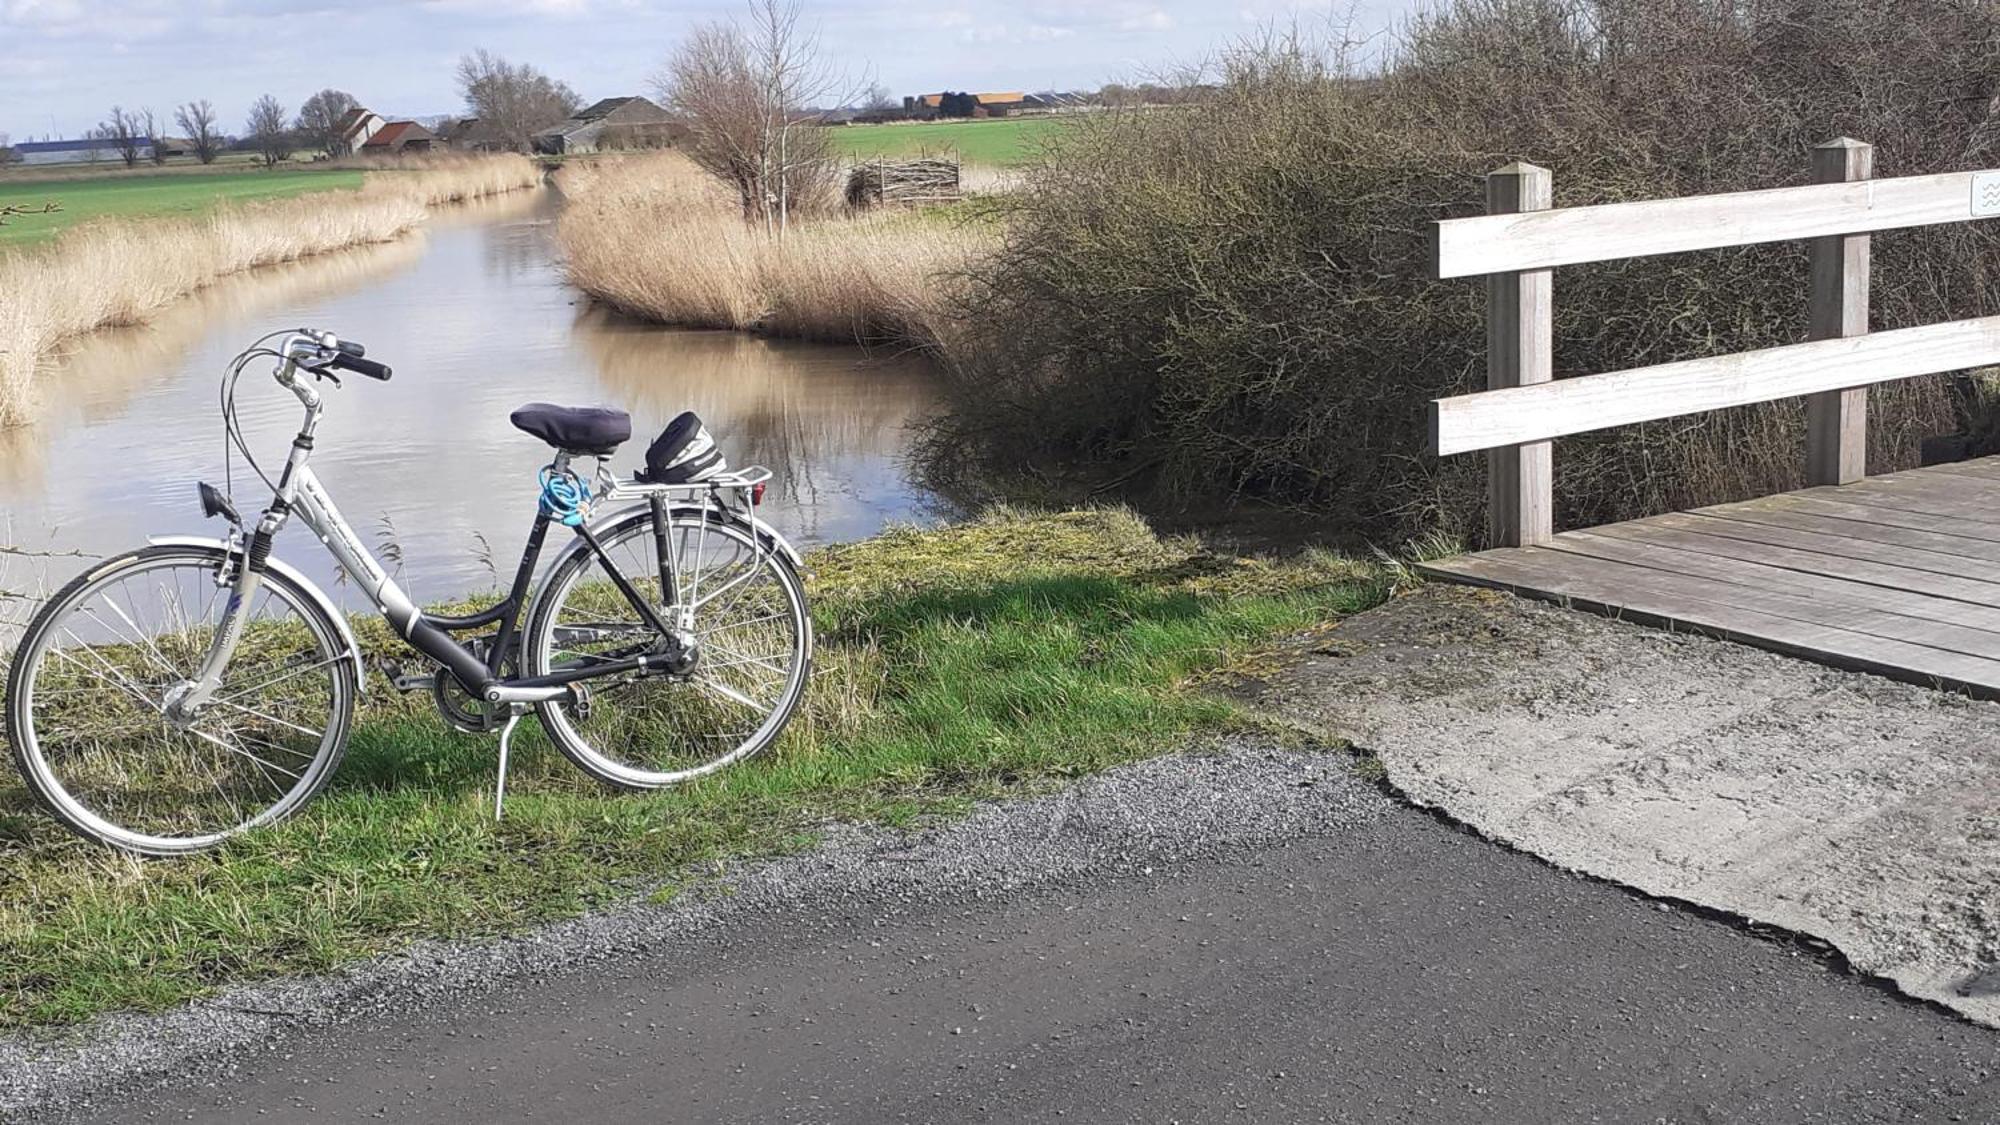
<point x="757" y="493"/>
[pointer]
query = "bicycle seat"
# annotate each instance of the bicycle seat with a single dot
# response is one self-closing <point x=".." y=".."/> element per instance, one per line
<point x="592" y="430"/>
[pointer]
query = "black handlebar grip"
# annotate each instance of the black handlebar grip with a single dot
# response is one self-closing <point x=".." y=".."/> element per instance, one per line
<point x="350" y="347"/>
<point x="361" y="366"/>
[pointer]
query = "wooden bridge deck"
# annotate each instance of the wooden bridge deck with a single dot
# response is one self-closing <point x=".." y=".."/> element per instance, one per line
<point x="1897" y="574"/>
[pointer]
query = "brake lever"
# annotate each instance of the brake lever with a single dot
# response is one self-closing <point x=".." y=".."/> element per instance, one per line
<point x="323" y="373"/>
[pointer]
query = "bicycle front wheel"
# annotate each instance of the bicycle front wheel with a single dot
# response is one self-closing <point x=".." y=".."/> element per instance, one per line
<point x="87" y="704"/>
<point x="751" y="636"/>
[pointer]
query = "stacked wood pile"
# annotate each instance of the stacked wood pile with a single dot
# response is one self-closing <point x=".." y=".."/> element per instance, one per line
<point x="905" y="182"/>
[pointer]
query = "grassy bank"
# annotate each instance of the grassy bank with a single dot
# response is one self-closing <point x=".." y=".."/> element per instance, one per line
<point x="1001" y="142"/>
<point x="167" y="194"/>
<point x="653" y="237"/>
<point x="966" y="663"/>
<point x="118" y="271"/>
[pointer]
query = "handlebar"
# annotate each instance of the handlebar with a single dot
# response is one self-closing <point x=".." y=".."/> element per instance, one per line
<point x="352" y="361"/>
<point x="318" y="351"/>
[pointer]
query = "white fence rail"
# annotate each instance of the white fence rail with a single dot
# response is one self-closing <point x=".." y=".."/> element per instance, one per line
<point x="1521" y="241"/>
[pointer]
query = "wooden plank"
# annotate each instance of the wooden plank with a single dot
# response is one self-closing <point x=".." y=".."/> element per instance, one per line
<point x="1811" y="597"/>
<point x="1595" y="402"/>
<point x="1842" y="505"/>
<point x="1980" y="469"/>
<point x="1631" y="593"/>
<point x="1970" y="590"/>
<point x="1840" y="546"/>
<point x="1520" y="351"/>
<point x="1837" y="421"/>
<point x="1965" y="499"/>
<point x="1941" y="542"/>
<point x="1575" y="235"/>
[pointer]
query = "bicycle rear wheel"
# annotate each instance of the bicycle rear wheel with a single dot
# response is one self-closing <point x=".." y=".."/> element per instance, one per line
<point x="752" y="637"/>
<point x="87" y="704"/>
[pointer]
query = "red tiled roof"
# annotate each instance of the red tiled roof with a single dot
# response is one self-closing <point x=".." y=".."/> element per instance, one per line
<point x="396" y="131"/>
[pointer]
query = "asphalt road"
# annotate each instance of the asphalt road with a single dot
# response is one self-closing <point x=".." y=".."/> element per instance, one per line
<point x="1380" y="967"/>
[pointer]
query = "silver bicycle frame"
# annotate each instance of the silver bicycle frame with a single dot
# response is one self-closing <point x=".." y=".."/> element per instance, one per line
<point x="298" y="490"/>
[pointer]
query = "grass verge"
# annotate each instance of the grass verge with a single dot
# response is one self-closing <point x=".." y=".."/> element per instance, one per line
<point x="979" y="661"/>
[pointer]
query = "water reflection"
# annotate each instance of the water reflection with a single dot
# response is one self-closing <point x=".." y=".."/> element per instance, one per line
<point x="476" y="319"/>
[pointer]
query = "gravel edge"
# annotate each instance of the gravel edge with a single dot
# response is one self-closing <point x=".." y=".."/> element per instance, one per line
<point x="1236" y="792"/>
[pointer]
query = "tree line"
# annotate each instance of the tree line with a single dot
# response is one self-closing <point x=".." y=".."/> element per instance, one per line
<point x="510" y="101"/>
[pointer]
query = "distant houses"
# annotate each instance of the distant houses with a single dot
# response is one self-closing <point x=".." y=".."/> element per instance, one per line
<point x="357" y="126"/>
<point x="614" y="123"/>
<point x="398" y="137"/>
<point x="948" y="104"/>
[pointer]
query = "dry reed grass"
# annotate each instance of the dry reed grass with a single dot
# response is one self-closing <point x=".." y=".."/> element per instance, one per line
<point x="119" y="272"/>
<point x="652" y="237"/>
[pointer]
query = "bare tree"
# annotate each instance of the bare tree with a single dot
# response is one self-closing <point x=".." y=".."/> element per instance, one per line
<point x="319" y="121"/>
<point x="122" y="131"/>
<point x="266" y="128"/>
<point x="745" y="88"/>
<point x="7" y="153"/>
<point x="513" y="101"/>
<point x="197" y="120"/>
<point x="152" y="126"/>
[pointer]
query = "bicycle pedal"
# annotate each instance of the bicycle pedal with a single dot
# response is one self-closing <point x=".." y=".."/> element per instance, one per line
<point x="406" y="683"/>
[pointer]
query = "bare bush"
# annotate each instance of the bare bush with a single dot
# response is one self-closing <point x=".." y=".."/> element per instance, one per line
<point x="197" y="120"/>
<point x="744" y="90"/>
<point x="267" y="130"/>
<point x="122" y="132"/>
<point x="319" y="121"/>
<point x="513" y="101"/>
<point x="1231" y="300"/>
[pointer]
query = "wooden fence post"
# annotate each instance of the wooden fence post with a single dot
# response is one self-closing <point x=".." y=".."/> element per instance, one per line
<point x="1837" y="421"/>
<point x="1520" y="344"/>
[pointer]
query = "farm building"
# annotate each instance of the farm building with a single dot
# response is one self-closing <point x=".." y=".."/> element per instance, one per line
<point x="357" y="126"/>
<point x="397" y="137"/>
<point x="75" y="152"/>
<point x="614" y="123"/>
<point x="469" y="134"/>
<point x="928" y="106"/>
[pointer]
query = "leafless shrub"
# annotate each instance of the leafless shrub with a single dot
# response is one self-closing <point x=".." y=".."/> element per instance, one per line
<point x="513" y="101"/>
<point x="122" y="132"/>
<point x="266" y="127"/>
<point x="319" y="121"/>
<point x="744" y="89"/>
<point x="1230" y="299"/>
<point x="197" y="120"/>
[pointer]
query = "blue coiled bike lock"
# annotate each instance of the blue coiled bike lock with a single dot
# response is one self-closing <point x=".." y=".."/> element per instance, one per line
<point x="565" y="497"/>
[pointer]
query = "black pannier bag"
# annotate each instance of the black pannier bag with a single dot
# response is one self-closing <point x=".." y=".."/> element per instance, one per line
<point x="683" y="454"/>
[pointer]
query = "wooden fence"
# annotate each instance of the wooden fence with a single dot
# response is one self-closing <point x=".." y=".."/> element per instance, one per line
<point x="1520" y="242"/>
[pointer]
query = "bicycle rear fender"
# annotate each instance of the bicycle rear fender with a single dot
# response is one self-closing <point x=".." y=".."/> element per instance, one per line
<point x="290" y="572"/>
<point x="613" y="521"/>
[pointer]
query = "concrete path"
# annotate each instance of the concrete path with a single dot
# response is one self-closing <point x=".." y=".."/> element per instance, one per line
<point x="1257" y="936"/>
<point x="1844" y="806"/>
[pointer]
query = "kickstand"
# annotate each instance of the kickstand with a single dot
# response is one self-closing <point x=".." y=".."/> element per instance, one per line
<point x="514" y="714"/>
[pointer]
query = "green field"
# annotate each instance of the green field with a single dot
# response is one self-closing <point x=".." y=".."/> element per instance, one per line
<point x="1006" y="141"/>
<point x="169" y="193"/>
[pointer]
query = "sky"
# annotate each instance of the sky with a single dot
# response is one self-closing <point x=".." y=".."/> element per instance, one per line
<point x="65" y="63"/>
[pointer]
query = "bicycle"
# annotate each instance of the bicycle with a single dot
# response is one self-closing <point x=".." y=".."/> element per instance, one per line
<point x="173" y="697"/>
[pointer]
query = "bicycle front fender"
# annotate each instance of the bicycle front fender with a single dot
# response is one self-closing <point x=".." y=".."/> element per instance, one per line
<point x="281" y="567"/>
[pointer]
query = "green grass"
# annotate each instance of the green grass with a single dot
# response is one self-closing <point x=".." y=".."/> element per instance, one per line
<point x="975" y="662"/>
<point x="1001" y="141"/>
<point x="165" y="193"/>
